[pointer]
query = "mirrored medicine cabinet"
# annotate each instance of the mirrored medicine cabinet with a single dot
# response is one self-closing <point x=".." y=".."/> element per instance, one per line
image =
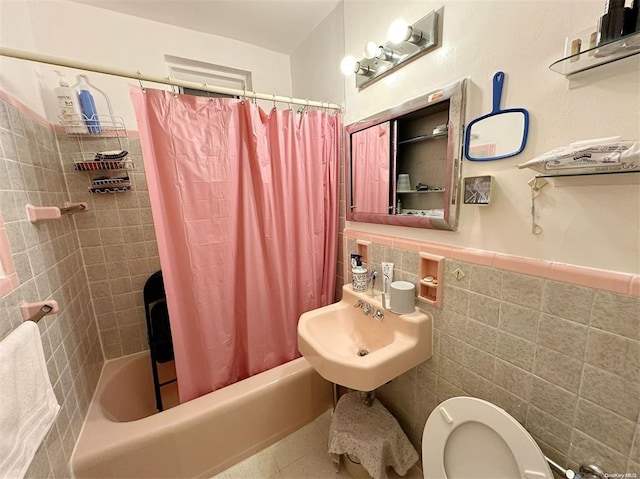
<point x="403" y="164"/>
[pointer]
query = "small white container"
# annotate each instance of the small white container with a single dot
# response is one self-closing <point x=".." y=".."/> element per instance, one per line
<point x="404" y="184"/>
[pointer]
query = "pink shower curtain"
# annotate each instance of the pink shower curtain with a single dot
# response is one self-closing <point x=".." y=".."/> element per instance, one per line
<point x="245" y="206"/>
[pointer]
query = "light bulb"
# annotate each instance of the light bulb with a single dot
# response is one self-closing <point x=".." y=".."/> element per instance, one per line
<point x="399" y="31"/>
<point x="371" y="50"/>
<point x="349" y="65"/>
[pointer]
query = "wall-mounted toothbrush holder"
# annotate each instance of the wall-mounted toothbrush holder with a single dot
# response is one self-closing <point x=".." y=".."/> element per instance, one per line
<point x="36" y="311"/>
<point x="48" y="213"/>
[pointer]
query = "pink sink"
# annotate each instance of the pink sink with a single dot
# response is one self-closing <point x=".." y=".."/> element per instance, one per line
<point x="359" y="351"/>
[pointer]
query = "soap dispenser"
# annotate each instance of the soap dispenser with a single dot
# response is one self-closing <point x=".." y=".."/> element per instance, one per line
<point x="358" y="274"/>
<point x="68" y="108"/>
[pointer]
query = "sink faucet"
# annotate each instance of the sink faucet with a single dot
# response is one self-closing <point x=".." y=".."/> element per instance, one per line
<point x="368" y="309"/>
<point x="372" y="282"/>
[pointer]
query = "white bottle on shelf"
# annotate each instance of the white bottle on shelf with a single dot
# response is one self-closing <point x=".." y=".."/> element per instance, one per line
<point x="68" y="107"/>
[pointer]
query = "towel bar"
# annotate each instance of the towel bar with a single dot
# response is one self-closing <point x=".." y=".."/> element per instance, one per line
<point x="36" y="311"/>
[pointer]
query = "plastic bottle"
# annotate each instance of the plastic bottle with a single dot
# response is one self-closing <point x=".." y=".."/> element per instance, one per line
<point x="68" y="108"/>
<point x="88" y="107"/>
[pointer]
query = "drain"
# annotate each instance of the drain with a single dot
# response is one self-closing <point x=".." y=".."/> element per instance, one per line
<point x="363" y="352"/>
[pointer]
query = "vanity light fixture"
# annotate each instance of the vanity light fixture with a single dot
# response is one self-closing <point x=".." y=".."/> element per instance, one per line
<point x="349" y="65"/>
<point x="400" y="31"/>
<point x="406" y="42"/>
<point x="373" y="50"/>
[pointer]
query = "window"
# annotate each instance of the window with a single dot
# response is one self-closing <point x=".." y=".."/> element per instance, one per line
<point x="203" y="72"/>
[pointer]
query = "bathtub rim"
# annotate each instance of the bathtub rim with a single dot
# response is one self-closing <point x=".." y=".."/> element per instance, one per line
<point x="111" y="441"/>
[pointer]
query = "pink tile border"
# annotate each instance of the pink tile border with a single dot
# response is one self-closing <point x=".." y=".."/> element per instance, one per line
<point x="23" y="108"/>
<point x="616" y="282"/>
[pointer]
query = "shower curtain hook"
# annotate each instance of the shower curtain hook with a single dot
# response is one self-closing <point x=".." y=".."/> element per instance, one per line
<point x="274" y="102"/>
<point x="254" y="98"/>
<point x="206" y="88"/>
<point x="244" y="93"/>
<point x="142" y="88"/>
<point x="290" y="103"/>
<point x="174" y="89"/>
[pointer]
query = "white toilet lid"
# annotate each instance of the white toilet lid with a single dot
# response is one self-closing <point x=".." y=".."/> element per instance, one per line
<point x="468" y="438"/>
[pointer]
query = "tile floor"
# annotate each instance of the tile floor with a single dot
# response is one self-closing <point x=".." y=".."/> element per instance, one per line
<point x="301" y="455"/>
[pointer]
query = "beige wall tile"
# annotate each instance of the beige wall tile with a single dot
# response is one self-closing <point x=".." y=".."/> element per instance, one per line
<point x="513" y="379"/>
<point x="446" y="390"/>
<point x="410" y="262"/>
<point x="553" y="399"/>
<point x="556" y="333"/>
<point x="93" y="255"/>
<point x="451" y="371"/>
<point x="476" y="385"/>
<point x="130" y="217"/>
<point x="485" y="280"/>
<point x="605" y="426"/>
<point x="90" y="237"/>
<point x="519" y="320"/>
<point x="455" y="299"/>
<point x="484" y="309"/>
<point x="480" y="362"/>
<point x="515" y="406"/>
<point x="550" y="429"/>
<point x="611" y="392"/>
<point x="481" y="336"/>
<point x="567" y="301"/>
<point x="522" y="289"/>
<point x="111" y="236"/>
<point x="516" y="350"/>
<point x="616" y="314"/>
<point x="614" y="353"/>
<point x="453" y="324"/>
<point x="585" y="450"/>
<point x="426" y="376"/>
<point x="558" y="369"/>
<point x="451" y="347"/>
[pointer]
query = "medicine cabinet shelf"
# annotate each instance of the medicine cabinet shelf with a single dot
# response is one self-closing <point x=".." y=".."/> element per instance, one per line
<point x="606" y="53"/>
<point x="418" y="192"/>
<point x="420" y="138"/>
<point x="431" y="278"/>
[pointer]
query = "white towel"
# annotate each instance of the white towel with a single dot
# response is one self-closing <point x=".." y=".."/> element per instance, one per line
<point x="28" y="406"/>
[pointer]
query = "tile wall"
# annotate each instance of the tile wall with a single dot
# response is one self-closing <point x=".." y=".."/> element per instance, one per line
<point x="564" y="360"/>
<point x="118" y="244"/>
<point x="50" y="265"/>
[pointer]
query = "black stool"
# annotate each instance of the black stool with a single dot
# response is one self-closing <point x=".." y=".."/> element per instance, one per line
<point x="158" y="330"/>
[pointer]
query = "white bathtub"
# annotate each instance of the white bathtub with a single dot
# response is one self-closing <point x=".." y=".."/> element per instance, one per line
<point x="199" y="438"/>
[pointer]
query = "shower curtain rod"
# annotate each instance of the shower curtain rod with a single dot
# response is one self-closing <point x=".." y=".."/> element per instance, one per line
<point x="92" y="67"/>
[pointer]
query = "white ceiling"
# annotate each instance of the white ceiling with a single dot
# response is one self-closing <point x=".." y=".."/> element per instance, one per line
<point x="279" y="25"/>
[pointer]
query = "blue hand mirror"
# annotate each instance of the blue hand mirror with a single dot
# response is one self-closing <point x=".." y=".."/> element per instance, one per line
<point x="499" y="134"/>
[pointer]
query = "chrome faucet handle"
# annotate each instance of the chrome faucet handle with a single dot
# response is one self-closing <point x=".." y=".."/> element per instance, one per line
<point x="359" y="304"/>
<point x="378" y="315"/>
<point x="368" y="309"/>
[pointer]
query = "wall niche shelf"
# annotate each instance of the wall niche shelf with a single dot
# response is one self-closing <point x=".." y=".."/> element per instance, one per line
<point x="594" y="57"/>
<point x="431" y="277"/>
